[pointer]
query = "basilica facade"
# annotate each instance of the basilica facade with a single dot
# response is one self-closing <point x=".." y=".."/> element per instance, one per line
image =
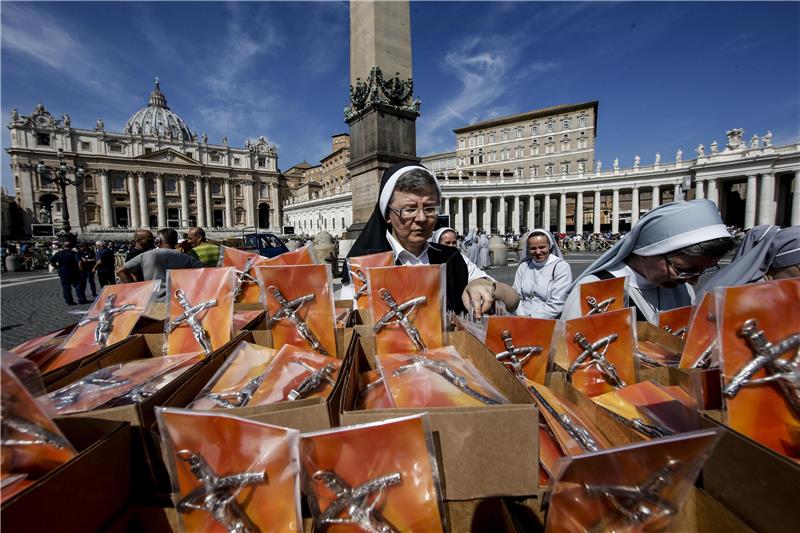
<point x="153" y="174"/>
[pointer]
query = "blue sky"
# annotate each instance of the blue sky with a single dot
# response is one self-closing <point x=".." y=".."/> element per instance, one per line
<point x="667" y="75"/>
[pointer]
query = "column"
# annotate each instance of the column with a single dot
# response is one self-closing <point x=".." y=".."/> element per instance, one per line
<point x="546" y="213"/>
<point x="750" y="203"/>
<point x="460" y="217"/>
<point x="143" y="207"/>
<point x="579" y="213"/>
<point x="765" y="211"/>
<point x="699" y="190"/>
<point x="473" y="213"/>
<point x="161" y="201"/>
<point x="184" y="201"/>
<point x="712" y="194"/>
<point x="656" y="197"/>
<point x="615" y="211"/>
<point x="596" y="221"/>
<point x="795" y="217"/>
<point x="446" y="202"/>
<point x="107" y="205"/>
<point x="515" y="219"/>
<point x="209" y="204"/>
<point x="676" y="194"/>
<point x="531" y="212"/>
<point x="199" y="186"/>
<point x="634" y="206"/>
<point x="501" y="220"/>
<point x="249" y="203"/>
<point x="133" y="193"/>
<point x="228" y="204"/>
<point x="562" y="213"/>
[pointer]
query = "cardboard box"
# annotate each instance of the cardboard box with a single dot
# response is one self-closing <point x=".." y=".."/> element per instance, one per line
<point x="84" y="493"/>
<point x="483" y="451"/>
<point x="755" y="483"/>
<point x="692" y="382"/>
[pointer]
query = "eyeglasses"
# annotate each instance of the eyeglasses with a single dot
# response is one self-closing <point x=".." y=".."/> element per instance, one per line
<point x="411" y="212"/>
<point x="689" y="274"/>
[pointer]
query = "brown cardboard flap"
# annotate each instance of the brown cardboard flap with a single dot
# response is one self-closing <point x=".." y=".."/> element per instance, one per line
<point x="690" y="382"/>
<point x="754" y="482"/>
<point x="645" y="331"/>
<point x="84" y="493"/>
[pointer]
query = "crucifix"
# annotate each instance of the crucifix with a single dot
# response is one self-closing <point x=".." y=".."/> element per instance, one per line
<point x="105" y="319"/>
<point x="102" y="380"/>
<point x="290" y="310"/>
<point x="576" y="431"/>
<point x="217" y="494"/>
<point x="595" y="353"/>
<point x="313" y="381"/>
<point x="399" y="314"/>
<point x="358" y="273"/>
<point x="240" y="397"/>
<point x="243" y="277"/>
<point x="642" y="503"/>
<point x="443" y="369"/>
<point x="190" y="317"/>
<point x="28" y="433"/>
<point x="515" y="358"/>
<point x="680" y="333"/>
<point x="358" y="504"/>
<point x="596" y="307"/>
<point x="785" y="373"/>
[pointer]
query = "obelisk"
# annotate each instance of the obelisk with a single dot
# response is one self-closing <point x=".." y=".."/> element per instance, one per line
<point x="382" y="112"/>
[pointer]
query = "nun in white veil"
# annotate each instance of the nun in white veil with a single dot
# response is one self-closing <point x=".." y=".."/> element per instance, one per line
<point x="484" y="260"/>
<point x="471" y="245"/>
<point x="543" y="278"/>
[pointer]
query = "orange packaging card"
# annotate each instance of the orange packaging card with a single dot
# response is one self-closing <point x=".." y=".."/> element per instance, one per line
<point x="437" y="378"/>
<point x="296" y="373"/>
<point x="759" y="331"/>
<point x="603" y="296"/>
<point x="243" y="318"/>
<point x="32" y="444"/>
<point x="634" y="488"/>
<point x="300" y="308"/>
<point x="653" y="405"/>
<point x="383" y="475"/>
<point x="358" y="271"/>
<point x="702" y="335"/>
<point x="246" y="290"/>
<point x="676" y="321"/>
<point x="237" y="379"/>
<point x="522" y="343"/>
<point x="32" y="345"/>
<point x="600" y="351"/>
<point x="406" y="304"/>
<point x="549" y="450"/>
<point x="231" y="474"/>
<point x="200" y="309"/>
<point x="301" y="256"/>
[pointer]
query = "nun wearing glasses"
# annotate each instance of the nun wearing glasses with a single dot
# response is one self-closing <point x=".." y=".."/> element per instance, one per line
<point x="663" y="255"/>
<point x="403" y="222"/>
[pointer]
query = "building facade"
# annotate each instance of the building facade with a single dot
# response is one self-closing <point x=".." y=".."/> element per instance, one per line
<point x="155" y="173"/>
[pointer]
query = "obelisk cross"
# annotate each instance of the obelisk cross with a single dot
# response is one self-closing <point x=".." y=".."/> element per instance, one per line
<point x="290" y="310"/>
<point x="596" y="307"/>
<point x="643" y="503"/>
<point x="244" y="277"/>
<point x="595" y="353"/>
<point x="190" y="317"/>
<point x="217" y="494"/>
<point x="399" y="314"/>
<point x="515" y="358"/>
<point x="105" y="319"/>
<point x="357" y="504"/>
<point x="784" y="373"/>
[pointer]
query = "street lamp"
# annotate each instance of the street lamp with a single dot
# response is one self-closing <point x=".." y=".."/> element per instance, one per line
<point x="60" y="178"/>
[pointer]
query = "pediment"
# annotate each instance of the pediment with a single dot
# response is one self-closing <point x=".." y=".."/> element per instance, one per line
<point x="168" y="155"/>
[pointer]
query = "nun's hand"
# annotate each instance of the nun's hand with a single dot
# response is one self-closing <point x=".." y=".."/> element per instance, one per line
<point x="478" y="296"/>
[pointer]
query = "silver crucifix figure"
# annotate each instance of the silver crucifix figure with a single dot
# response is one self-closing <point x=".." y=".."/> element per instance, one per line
<point x="643" y="503"/>
<point x="680" y="333"/>
<point x="290" y="310"/>
<point x="637" y="424"/>
<point x="17" y="431"/>
<point x="785" y="373"/>
<point x="443" y="369"/>
<point x="703" y="360"/>
<point x="240" y="397"/>
<point x="243" y="277"/>
<point x="598" y="307"/>
<point x="313" y="381"/>
<point x="576" y="431"/>
<point x="595" y="354"/>
<point x="399" y="314"/>
<point x="216" y="494"/>
<point x="357" y="505"/>
<point x="515" y="358"/>
<point x="363" y="279"/>
<point x="190" y="317"/>
<point x="102" y="380"/>
<point x="105" y="319"/>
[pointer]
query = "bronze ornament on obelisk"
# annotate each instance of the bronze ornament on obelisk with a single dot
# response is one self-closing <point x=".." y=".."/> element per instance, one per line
<point x="383" y="111"/>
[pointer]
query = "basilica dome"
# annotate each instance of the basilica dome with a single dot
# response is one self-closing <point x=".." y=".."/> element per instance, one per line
<point x="157" y="120"/>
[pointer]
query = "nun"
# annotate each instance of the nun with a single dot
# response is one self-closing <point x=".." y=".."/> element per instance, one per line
<point x="471" y="245"/>
<point x="766" y="253"/>
<point x="543" y="278"/>
<point x="403" y="222"/>
<point x="664" y="253"/>
<point x="484" y="260"/>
